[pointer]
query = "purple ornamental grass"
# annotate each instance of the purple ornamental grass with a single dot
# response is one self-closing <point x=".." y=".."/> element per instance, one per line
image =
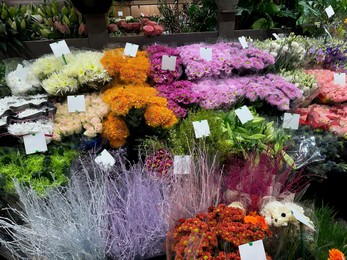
<point x="137" y="209"/>
<point x="158" y="75"/>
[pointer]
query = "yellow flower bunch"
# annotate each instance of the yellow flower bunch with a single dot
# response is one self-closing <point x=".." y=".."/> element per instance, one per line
<point x="115" y="130"/>
<point x="128" y="69"/>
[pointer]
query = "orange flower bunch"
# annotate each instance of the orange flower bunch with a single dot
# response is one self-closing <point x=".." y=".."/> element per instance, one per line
<point x="122" y="98"/>
<point x="115" y="130"/>
<point x="335" y="254"/>
<point x="128" y="69"/>
<point x="217" y="234"/>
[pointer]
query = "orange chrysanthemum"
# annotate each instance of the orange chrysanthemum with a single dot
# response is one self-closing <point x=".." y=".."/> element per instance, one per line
<point x="255" y="219"/>
<point x="335" y="254"/>
<point x="160" y="116"/>
<point x="115" y="130"/>
<point x="128" y="69"/>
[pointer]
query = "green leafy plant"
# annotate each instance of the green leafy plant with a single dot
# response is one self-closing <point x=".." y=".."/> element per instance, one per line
<point x="4" y="89"/>
<point x="41" y="171"/>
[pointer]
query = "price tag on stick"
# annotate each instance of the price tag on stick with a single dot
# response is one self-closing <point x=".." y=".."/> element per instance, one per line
<point x="244" y="114"/>
<point x="201" y="128"/>
<point x="182" y="164"/>
<point x="35" y="143"/>
<point x="168" y="62"/>
<point x="60" y="49"/>
<point x="76" y="104"/>
<point x="291" y="121"/>
<point x="243" y="42"/>
<point x="252" y="251"/>
<point x="340" y="78"/>
<point x="330" y="11"/>
<point x="105" y="159"/>
<point x="206" y="53"/>
<point x="21" y="73"/>
<point x="120" y="13"/>
<point x="131" y="49"/>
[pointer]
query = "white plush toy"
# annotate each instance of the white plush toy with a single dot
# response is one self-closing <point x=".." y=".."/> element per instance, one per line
<point x="279" y="214"/>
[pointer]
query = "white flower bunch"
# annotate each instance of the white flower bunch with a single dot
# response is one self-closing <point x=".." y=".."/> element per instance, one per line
<point x="44" y="126"/>
<point x="47" y="65"/>
<point x="18" y="87"/>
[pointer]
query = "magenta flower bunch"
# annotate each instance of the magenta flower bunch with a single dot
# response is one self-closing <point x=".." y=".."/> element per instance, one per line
<point x="224" y="93"/>
<point x="158" y="75"/>
<point x="180" y="96"/>
<point x="159" y="163"/>
<point x="227" y="59"/>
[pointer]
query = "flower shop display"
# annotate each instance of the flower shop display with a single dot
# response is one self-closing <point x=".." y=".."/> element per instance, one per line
<point x="273" y="89"/>
<point x="67" y="124"/>
<point x="217" y="233"/>
<point x="227" y="59"/>
<point x="134" y="104"/>
<point x="180" y="96"/>
<point x="330" y="92"/>
<point x="130" y="70"/>
<point x="157" y="74"/>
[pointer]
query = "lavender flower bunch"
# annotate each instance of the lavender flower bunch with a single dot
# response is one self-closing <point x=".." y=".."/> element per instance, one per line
<point x="158" y="75"/>
<point x="180" y="96"/>
<point x="270" y="88"/>
<point x="227" y="59"/>
<point x="69" y="223"/>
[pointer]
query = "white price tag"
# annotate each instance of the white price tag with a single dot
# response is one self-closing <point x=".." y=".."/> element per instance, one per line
<point x="21" y="73"/>
<point x="76" y="104"/>
<point x="302" y="218"/>
<point x="131" y="49"/>
<point x="206" y="53"/>
<point x="201" y="128"/>
<point x="168" y="62"/>
<point x="60" y="48"/>
<point x="276" y="36"/>
<point x="291" y="121"/>
<point x="330" y="11"/>
<point x="244" y="114"/>
<point x="252" y="251"/>
<point x="120" y="13"/>
<point x="35" y="143"/>
<point x="105" y="159"/>
<point x="182" y="164"/>
<point x="340" y="78"/>
<point x="243" y="42"/>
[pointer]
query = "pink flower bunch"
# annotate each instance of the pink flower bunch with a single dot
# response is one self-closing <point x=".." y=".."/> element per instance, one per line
<point x="227" y="59"/>
<point x="180" y="95"/>
<point x="330" y="92"/>
<point x="329" y="118"/>
<point x="159" y="163"/>
<point x="67" y="124"/>
<point x="151" y="28"/>
<point x="224" y="93"/>
<point x="158" y="75"/>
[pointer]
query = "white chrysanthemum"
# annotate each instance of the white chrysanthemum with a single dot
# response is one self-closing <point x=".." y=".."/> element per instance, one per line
<point x="45" y="66"/>
<point x="18" y="87"/>
<point x="59" y="83"/>
<point x="45" y="126"/>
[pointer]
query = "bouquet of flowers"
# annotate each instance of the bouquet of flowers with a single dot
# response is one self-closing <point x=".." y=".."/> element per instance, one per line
<point x="67" y="124"/>
<point x="130" y="70"/>
<point x="141" y="100"/>
<point x="329" y="90"/>
<point x="157" y="74"/>
<point x="180" y="95"/>
<point x="273" y="89"/>
<point x="227" y="59"/>
<point x="324" y="117"/>
<point x="217" y="233"/>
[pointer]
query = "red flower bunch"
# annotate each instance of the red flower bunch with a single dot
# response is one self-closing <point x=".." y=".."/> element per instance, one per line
<point x="151" y="28"/>
<point x="159" y="163"/>
<point x="217" y="234"/>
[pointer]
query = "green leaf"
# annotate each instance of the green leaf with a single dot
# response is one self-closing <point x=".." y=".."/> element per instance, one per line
<point x="261" y="23"/>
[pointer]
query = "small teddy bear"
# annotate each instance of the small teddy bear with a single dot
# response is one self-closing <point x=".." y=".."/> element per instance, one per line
<point x="279" y="214"/>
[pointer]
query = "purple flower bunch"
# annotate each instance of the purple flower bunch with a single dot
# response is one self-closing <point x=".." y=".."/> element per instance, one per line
<point x="159" y="163"/>
<point x="224" y="93"/>
<point x="180" y="95"/>
<point x="158" y="75"/>
<point x="227" y="59"/>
